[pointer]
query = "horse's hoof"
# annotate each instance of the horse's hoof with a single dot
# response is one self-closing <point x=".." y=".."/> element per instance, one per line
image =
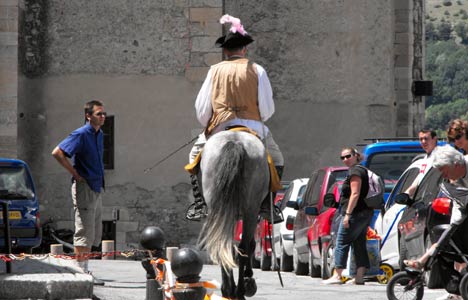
<point x="250" y="286"/>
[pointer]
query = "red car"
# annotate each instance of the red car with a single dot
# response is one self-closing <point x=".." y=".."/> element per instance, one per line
<point x="313" y="219"/>
<point x="262" y="254"/>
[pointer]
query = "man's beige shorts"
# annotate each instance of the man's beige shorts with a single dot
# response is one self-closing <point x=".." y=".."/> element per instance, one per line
<point x="87" y="205"/>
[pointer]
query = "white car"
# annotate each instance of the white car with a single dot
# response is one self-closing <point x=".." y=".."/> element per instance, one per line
<point x="282" y="236"/>
<point x="387" y="225"/>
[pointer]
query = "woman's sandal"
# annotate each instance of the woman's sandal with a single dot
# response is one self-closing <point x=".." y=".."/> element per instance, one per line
<point x="415" y="264"/>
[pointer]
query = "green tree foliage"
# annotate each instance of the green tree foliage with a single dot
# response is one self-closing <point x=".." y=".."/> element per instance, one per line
<point x="461" y="29"/>
<point x="438" y="116"/>
<point x="446" y="66"/>
<point x="445" y="30"/>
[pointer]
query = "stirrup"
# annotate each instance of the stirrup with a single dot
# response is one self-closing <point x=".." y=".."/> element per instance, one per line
<point x="196" y="211"/>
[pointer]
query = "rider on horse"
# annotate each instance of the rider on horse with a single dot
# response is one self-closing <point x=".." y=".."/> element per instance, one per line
<point x="236" y="92"/>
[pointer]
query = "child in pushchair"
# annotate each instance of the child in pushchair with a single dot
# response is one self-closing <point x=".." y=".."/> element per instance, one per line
<point x="409" y="283"/>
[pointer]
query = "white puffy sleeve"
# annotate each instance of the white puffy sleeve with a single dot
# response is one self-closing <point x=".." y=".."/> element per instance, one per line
<point x="265" y="94"/>
<point x="203" y="106"/>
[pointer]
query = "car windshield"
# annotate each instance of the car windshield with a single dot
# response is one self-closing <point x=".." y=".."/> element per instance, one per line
<point x="390" y="166"/>
<point x="15" y="183"/>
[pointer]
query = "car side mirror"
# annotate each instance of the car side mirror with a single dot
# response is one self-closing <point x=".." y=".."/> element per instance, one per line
<point x="292" y="204"/>
<point x="311" y="211"/>
<point x="329" y="200"/>
<point x="403" y="199"/>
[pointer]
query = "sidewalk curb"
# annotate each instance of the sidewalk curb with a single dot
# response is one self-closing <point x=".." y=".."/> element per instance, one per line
<point x="46" y="286"/>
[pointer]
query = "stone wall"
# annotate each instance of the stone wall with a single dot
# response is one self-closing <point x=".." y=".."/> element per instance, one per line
<point x="341" y="71"/>
<point x="8" y="77"/>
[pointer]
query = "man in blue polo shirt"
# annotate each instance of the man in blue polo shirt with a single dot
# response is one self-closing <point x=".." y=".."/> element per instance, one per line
<point x="84" y="147"/>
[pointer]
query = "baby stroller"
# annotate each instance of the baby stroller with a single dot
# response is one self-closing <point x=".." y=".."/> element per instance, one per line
<point x="409" y="283"/>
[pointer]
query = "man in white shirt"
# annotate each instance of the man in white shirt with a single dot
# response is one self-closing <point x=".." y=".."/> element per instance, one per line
<point x="236" y="92"/>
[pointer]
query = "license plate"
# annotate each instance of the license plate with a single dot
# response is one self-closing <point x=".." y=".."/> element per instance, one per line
<point x="13" y="215"/>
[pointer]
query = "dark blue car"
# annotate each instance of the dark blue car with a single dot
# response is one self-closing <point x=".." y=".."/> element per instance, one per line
<point x="18" y="191"/>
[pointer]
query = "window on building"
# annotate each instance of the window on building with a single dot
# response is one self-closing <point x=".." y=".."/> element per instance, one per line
<point x="108" y="130"/>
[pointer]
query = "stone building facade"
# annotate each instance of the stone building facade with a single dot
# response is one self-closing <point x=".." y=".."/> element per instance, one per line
<point x="341" y="71"/>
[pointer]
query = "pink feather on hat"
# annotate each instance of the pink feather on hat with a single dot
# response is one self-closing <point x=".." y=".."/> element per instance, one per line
<point x="236" y="25"/>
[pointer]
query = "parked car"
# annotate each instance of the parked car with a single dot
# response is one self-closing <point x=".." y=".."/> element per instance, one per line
<point x="386" y="224"/>
<point x="311" y="211"/>
<point x="18" y="191"/>
<point x="417" y="220"/>
<point x="389" y="159"/>
<point x="262" y="257"/>
<point x="283" y="235"/>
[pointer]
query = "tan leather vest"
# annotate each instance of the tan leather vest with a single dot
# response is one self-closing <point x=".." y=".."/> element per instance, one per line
<point x="234" y="92"/>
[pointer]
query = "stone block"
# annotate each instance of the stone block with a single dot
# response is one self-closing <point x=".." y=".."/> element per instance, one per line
<point x="196" y="74"/>
<point x="403" y="38"/>
<point x="403" y="60"/>
<point x="8" y="38"/>
<point x="213" y="58"/>
<point x="206" y="3"/>
<point x="125" y="226"/>
<point x="402" y="27"/>
<point x="203" y="44"/>
<point x="403" y="72"/>
<point x="205" y="14"/>
<point x="403" y="15"/>
<point x="403" y="4"/>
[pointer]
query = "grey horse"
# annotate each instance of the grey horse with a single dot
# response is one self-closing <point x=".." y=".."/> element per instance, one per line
<point x="235" y="180"/>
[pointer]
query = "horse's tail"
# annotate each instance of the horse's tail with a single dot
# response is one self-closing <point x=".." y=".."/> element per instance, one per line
<point x="218" y="232"/>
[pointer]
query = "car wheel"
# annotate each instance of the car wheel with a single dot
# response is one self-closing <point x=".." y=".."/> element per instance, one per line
<point x="433" y="278"/>
<point x="299" y="267"/>
<point x="265" y="260"/>
<point x="314" y="270"/>
<point x="286" y="261"/>
<point x="328" y="260"/>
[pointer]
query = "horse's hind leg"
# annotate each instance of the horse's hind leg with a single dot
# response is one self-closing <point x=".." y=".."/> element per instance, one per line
<point x="246" y="284"/>
<point x="228" y="287"/>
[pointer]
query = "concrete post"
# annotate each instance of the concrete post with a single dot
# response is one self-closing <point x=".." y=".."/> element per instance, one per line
<point x="56" y="249"/>
<point x="107" y="247"/>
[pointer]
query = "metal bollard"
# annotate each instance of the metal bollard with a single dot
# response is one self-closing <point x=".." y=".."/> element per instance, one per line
<point x="107" y="247"/>
<point x="187" y="265"/>
<point x="152" y="239"/>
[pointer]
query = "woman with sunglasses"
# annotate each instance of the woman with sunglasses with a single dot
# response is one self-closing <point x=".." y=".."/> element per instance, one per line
<point x="357" y="216"/>
<point x="457" y="134"/>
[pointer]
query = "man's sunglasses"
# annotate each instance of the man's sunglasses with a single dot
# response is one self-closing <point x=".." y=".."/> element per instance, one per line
<point x="101" y="114"/>
<point x="348" y="156"/>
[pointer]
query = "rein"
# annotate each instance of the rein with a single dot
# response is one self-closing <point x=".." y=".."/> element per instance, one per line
<point x="170" y="154"/>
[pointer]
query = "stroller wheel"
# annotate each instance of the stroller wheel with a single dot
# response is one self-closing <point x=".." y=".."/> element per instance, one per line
<point x="463" y="287"/>
<point x="386" y="272"/>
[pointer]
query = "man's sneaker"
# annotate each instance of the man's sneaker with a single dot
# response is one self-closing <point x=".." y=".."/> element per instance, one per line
<point x="196" y="211"/>
<point x="96" y="281"/>
<point x="277" y="214"/>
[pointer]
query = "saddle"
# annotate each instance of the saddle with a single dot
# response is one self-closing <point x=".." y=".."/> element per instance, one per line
<point x="275" y="183"/>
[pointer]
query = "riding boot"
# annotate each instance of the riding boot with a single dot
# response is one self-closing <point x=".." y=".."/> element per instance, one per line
<point x="198" y="209"/>
<point x="265" y="211"/>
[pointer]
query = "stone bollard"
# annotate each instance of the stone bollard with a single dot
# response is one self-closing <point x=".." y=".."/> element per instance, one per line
<point x="107" y="247"/>
<point x="56" y="249"/>
<point x="187" y="265"/>
<point x="152" y="239"/>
